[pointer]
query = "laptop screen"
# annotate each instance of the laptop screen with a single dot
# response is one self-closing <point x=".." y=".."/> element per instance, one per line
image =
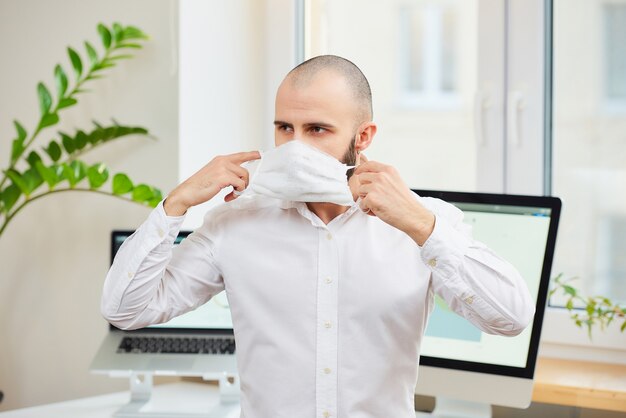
<point x="213" y="315"/>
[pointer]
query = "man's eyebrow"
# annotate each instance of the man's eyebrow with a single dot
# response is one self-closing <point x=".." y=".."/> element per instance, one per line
<point x="320" y="124"/>
<point x="306" y="125"/>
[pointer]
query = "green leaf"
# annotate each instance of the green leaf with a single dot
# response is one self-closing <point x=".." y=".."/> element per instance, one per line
<point x="9" y="196"/>
<point x="68" y="143"/>
<point x="569" y="290"/>
<point x="61" y="81"/>
<point x="91" y="53"/>
<point x="121" y="184"/>
<point x="80" y="170"/>
<point x="129" y="45"/>
<point x="66" y="102"/>
<point x="48" y="119"/>
<point x="18" y="180"/>
<point x="132" y="32"/>
<point x="17" y="148"/>
<point x="142" y="193"/>
<point x="105" y="35"/>
<point x="569" y="305"/>
<point x="623" y="327"/>
<point x="117" y="32"/>
<point x="21" y="132"/>
<point x="74" y="172"/>
<point x="33" y="179"/>
<point x="76" y="62"/>
<point x="54" y="151"/>
<point x="32" y="158"/>
<point x="80" y="140"/>
<point x="49" y="174"/>
<point x="45" y="100"/>
<point x="97" y="175"/>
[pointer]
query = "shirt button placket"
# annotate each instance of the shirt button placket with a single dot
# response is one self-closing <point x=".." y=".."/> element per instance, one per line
<point x="326" y="350"/>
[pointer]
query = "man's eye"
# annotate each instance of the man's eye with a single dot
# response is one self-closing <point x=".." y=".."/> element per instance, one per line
<point x="285" y="128"/>
<point x="317" y="129"/>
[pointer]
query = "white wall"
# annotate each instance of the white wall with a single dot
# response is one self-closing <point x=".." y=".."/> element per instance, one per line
<point x="229" y="72"/>
<point x="54" y="256"/>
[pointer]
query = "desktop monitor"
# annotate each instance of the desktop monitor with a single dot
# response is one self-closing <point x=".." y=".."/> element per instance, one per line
<point x="463" y="367"/>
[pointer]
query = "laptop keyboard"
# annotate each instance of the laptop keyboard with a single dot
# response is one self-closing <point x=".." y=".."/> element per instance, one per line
<point x="173" y="345"/>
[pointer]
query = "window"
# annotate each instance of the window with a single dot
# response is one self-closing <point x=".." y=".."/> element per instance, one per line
<point x="421" y="60"/>
<point x="429" y="53"/>
<point x="589" y="144"/>
<point x="615" y="52"/>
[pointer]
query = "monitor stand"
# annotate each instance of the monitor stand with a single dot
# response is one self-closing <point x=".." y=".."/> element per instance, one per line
<point x="456" y="408"/>
<point x="141" y="393"/>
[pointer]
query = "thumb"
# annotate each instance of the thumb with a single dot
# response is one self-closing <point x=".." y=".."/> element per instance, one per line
<point x="363" y="158"/>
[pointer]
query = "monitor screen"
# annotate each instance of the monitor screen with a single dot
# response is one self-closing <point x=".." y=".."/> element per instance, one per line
<point x="521" y="230"/>
<point x="213" y="315"/>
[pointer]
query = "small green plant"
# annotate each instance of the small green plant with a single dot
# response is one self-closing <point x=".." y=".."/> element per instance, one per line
<point x="592" y="309"/>
<point x="56" y="167"/>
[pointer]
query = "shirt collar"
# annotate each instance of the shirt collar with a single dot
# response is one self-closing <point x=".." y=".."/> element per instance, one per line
<point x="306" y="213"/>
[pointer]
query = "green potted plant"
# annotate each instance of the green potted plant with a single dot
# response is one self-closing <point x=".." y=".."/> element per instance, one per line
<point x="588" y="311"/>
<point x="35" y="170"/>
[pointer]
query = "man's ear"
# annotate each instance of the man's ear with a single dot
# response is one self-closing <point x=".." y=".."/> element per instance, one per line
<point x="365" y="136"/>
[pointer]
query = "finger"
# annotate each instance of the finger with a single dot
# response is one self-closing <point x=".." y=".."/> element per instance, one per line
<point x="240" y="172"/>
<point x="238" y="184"/>
<point x="368" y="177"/>
<point x="370" y="166"/>
<point x="364" y="189"/>
<point x="230" y="196"/>
<point x="363" y="158"/>
<point x="242" y="157"/>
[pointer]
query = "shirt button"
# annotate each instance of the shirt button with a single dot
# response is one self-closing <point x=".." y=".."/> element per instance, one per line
<point x="130" y="275"/>
<point x="326" y="414"/>
<point x="469" y="300"/>
<point x="327" y="370"/>
<point x="329" y="236"/>
<point x="327" y="324"/>
<point x="432" y="262"/>
<point x="328" y="280"/>
<point x="161" y="233"/>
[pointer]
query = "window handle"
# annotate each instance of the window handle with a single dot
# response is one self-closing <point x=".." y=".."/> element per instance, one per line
<point x="482" y="104"/>
<point x="516" y="105"/>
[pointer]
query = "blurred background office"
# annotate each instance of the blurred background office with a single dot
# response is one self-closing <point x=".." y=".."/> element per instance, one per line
<point x="468" y="96"/>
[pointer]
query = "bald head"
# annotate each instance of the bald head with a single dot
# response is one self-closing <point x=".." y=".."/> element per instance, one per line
<point x="356" y="82"/>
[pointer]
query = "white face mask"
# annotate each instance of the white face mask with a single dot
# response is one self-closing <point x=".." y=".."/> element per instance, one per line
<point x="299" y="172"/>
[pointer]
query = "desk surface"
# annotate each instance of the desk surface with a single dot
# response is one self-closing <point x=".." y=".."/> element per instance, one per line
<point x="563" y="382"/>
<point x="580" y="383"/>
<point x="180" y="397"/>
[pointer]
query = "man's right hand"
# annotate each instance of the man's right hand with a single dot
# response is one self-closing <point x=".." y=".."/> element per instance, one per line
<point x="223" y="171"/>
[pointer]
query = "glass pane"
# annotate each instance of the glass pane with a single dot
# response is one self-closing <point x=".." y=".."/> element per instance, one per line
<point x="420" y="59"/>
<point x="589" y="139"/>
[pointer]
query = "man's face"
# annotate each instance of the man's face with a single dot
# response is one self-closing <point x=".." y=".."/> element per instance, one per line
<point x="320" y="112"/>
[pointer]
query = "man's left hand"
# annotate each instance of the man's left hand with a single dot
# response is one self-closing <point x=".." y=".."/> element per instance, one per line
<point x="384" y="195"/>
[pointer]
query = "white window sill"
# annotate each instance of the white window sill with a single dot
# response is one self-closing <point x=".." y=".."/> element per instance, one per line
<point x="561" y="338"/>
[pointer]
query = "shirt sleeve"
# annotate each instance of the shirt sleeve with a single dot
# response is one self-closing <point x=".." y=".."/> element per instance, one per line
<point x="152" y="281"/>
<point x="474" y="281"/>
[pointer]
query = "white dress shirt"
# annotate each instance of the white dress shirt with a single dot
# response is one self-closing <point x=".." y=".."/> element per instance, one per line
<point x="328" y="319"/>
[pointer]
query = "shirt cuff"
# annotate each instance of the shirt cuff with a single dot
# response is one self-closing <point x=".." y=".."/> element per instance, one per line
<point x="164" y="228"/>
<point x="444" y="249"/>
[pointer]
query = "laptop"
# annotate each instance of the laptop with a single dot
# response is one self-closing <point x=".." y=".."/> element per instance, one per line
<point x="194" y="344"/>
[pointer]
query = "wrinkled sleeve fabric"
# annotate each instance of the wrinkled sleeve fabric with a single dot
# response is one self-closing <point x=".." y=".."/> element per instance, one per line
<point x="474" y="281"/>
<point x="152" y="281"/>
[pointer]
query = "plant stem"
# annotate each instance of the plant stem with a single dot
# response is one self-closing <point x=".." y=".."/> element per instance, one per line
<point x="32" y="199"/>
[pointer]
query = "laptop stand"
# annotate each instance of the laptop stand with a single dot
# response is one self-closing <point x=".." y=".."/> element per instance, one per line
<point x="141" y="393"/>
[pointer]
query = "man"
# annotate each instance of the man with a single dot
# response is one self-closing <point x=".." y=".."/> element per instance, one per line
<point x="329" y="302"/>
